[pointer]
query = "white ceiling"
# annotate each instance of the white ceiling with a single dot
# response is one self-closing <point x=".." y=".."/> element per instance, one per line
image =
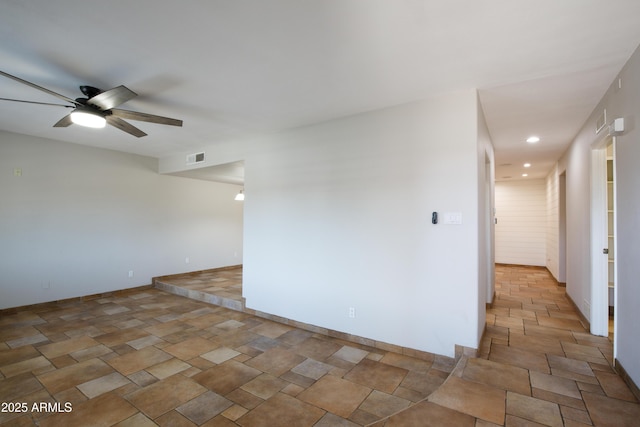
<point x="233" y="68"/>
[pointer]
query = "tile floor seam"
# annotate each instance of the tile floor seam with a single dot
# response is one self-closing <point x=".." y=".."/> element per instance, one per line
<point x="413" y="404"/>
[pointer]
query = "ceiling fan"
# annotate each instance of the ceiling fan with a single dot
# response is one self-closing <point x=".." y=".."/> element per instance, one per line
<point x="98" y="108"/>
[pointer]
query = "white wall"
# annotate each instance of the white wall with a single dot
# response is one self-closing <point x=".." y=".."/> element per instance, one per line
<point x="619" y="102"/>
<point x="338" y="215"/>
<point x="556" y="224"/>
<point x="626" y="104"/>
<point x="80" y="218"/>
<point x="486" y="227"/>
<point x="521" y="210"/>
<point x="553" y="222"/>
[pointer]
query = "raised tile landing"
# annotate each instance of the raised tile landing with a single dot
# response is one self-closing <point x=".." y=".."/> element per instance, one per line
<point x="221" y="286"/>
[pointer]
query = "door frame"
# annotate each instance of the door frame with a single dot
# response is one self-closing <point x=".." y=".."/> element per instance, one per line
<point x="599" y="318"/>
<point x="562" y="227"/>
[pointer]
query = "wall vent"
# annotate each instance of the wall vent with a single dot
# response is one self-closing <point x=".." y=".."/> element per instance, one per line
<point x="194" y="158"/>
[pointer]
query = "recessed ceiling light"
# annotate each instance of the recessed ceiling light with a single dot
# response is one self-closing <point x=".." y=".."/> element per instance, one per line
<point x="533" y="139"/>
<point x="525" y="174"/>
<point x="527" y="165"/>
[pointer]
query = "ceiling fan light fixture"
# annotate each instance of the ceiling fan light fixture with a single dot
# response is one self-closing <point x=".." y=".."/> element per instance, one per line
<point x="88" y="118"/>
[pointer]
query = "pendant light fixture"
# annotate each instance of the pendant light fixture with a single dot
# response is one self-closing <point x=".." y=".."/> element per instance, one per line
<point x="240" y="195"/>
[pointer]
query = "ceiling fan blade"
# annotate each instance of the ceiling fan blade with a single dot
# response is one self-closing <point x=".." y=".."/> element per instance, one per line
<point x="36" y="102"/>
<point x="64" y="122"/>
<point x="144" y="117"/>
<point x="124" y="126"/>
<point x="35" y="86"/>
<point x="112" y="97"/>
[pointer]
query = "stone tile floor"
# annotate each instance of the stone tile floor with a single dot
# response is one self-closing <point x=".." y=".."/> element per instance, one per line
<point x="221" y="287"/>
<point x="537" y="366"/>
<point x="150" y="358"/>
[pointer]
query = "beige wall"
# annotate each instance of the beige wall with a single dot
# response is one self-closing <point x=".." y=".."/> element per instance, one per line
<point x="521" y="210"/>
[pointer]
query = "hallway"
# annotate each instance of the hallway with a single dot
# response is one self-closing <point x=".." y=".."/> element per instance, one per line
<point x="147" y="357"/>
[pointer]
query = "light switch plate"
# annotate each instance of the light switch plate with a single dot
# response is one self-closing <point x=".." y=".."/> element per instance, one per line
<point x="454" y="218"/>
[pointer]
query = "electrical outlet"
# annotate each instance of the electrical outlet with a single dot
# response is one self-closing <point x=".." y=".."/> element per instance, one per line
<point x="130" y="273"/>
<point x="352" y="312"/>
<point x="186" y="260"/>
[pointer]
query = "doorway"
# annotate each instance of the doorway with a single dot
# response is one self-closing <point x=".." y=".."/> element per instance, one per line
<point x="603" y="241"/>
<point x="489" y="221"/>
<point x="611" y="234"/>
<point x="562" y="228"/>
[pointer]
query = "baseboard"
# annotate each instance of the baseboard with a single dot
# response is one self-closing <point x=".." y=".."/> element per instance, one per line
<point x="533" y="267"/>
<point x="585" y="322"/>
<point x="627" y="379"/>
<point x="489" y="305"/>
<point x="444" y="361"/>
<point x="118" y="292"/>
<point x="558" y="283"/>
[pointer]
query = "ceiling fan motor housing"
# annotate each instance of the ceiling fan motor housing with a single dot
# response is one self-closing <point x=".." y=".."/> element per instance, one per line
<point x="90" y="91"/>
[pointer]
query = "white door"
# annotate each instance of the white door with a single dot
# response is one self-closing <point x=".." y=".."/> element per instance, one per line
<point x="603" y="270"/>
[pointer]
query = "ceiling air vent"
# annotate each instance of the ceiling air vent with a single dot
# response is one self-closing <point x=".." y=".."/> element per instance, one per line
<point x="194" y="158"/>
